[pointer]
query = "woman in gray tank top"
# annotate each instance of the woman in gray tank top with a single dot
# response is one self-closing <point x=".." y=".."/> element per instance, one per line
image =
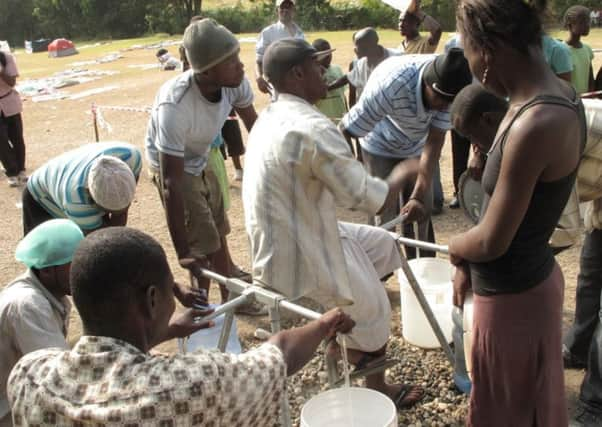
<point x="516" y="351"/>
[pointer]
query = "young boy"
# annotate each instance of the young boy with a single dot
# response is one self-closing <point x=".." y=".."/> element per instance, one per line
<point x="576" y="21"/>
<point x="369" y="55"/>
<point x="333" y="105"/>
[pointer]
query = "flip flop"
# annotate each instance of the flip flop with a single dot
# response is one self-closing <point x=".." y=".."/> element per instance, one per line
<point x="405" y="390"/>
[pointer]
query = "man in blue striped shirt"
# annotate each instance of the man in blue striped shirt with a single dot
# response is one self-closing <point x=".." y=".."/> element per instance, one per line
<point x="402" y="116"/>
<point x="92" y="185"/>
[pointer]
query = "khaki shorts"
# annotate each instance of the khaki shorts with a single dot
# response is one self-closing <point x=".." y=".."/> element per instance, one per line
<point x="204" y="214"/>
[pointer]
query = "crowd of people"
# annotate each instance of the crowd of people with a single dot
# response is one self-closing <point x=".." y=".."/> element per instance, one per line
<point x="537" y="150"/>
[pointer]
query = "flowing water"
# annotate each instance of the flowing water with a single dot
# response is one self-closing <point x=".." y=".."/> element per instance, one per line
<point x="343" y="344"/>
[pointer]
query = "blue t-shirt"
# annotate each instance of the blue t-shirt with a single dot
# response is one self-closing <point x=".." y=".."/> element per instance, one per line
<point x="557" y="55"/>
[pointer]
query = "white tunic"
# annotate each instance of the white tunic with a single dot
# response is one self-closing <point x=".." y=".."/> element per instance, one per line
<point x="298" y="168"/>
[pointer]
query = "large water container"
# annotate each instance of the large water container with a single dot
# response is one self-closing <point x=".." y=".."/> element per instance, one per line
<point x="434" y="278"/>
<point x="349" y="407"/>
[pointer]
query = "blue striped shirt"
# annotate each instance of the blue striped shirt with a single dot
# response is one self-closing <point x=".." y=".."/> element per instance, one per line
<point x="390" y="115"/>
<point x="61" y="185"/>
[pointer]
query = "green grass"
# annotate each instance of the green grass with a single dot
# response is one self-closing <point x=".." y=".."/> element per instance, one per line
<point x="214" y="4"/>
<point x="39" y="65"/>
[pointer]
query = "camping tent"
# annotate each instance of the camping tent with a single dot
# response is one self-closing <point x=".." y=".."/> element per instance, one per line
<point x="61" y="47"/>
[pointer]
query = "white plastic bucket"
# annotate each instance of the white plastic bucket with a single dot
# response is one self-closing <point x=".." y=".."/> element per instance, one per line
<point x="434" y="278"/>
<point x="467" y="326"/>
<point x="353" y="407"/>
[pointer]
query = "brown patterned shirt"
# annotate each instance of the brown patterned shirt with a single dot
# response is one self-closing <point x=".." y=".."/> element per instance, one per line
<point x="108" y="382"/>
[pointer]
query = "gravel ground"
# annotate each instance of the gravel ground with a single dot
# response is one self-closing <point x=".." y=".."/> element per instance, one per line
<point x="442" y="404"/>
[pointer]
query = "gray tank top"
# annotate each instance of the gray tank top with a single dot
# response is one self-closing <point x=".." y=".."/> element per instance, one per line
<point x="529" y="259"/>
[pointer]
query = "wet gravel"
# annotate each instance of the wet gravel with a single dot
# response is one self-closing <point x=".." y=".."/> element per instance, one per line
<point x="441" y="406"/>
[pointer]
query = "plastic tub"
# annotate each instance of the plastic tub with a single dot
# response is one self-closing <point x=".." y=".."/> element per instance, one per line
<point x="434" y="278"/>
<point x="349" y="407"/>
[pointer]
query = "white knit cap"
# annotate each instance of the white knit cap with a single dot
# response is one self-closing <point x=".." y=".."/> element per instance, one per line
<point x="111" y="183"/>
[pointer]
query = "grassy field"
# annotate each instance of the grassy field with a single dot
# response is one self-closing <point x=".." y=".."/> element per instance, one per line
<point x="39" y="65"/>
<point x="213" y="4"/>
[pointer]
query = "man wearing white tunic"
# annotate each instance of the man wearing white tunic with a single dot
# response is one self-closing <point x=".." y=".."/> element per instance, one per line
<point x="299" y="167"/>
<point x="284" y="28"/>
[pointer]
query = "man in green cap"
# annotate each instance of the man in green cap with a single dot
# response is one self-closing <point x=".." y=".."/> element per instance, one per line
<point x="34" y="309"/>
<point x="188" y="113"/>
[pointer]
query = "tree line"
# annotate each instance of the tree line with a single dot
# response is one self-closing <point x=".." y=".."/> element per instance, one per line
<point x="104" y="19"/>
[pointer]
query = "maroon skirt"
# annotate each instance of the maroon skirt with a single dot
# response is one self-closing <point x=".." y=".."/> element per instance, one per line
<point x="517" y="370"/>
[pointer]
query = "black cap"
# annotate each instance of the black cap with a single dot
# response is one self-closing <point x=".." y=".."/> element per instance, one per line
<point x="448" y="73"/>
<point x="284" y="54"/>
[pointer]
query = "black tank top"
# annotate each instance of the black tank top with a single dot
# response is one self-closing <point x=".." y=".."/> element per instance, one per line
<point x="529" y="259"/>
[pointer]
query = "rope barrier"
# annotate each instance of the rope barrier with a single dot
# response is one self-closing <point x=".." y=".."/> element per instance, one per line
<point x="99" y="120"/>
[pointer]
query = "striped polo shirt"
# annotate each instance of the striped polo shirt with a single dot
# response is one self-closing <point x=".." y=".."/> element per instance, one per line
<point x="61" y="185"/>
<point x="390" y="115"/>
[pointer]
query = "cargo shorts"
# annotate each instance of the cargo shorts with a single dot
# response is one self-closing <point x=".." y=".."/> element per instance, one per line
<point x="204" y="214"/>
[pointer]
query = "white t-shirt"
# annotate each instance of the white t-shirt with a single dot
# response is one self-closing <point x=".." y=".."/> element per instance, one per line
<point x="273" y="33"/>
<point x="358" y="76"/>
<point x="31" y="318"/>
<point x="184" y="123"/>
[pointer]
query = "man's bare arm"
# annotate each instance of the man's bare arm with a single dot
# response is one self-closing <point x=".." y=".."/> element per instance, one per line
<point x="340" y="82"/>
<point x="298" y="345"/>
<point x="248" y="115"/>
<point x="172" y="180"/>
<point x="414" y="208"/>
<point x="262" y="84"/>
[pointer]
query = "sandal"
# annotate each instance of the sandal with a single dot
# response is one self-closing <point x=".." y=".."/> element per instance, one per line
<point x="399" y="401"/>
